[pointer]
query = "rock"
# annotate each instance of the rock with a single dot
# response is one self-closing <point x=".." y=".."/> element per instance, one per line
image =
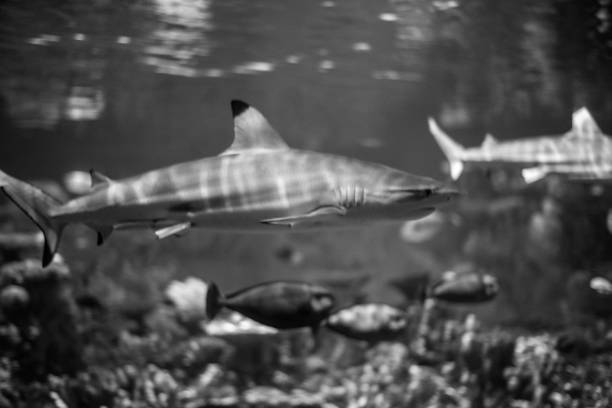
<point x="51" y="313"/>
<point x="13" y="301"/>
<point x="189" y="298"/>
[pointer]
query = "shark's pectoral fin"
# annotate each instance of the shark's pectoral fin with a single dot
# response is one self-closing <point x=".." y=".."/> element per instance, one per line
<point x="316" y="216"/>
<point x="176" y="230"/>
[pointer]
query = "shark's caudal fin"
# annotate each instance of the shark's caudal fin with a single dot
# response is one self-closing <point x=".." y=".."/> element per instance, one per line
<point x="452" y="150"/>
<point x="37" y="206"/>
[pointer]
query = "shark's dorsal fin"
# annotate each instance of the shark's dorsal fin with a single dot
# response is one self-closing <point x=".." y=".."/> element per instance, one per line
<point x="583" y="125"/>
<point x="252" y="132"/>
<point x="98" y="179"/>
<point x="489" y="140"/>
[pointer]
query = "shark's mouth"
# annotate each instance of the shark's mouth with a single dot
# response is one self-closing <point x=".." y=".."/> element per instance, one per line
<point x="415" y="193"/>
<point x="420" y="196"/>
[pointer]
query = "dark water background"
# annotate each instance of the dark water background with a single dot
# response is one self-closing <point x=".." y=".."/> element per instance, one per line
<point x="124" y="87"/>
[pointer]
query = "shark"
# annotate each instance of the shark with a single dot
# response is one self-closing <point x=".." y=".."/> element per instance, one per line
<point x="582" y="153"/>
<point x="257" y="184"/>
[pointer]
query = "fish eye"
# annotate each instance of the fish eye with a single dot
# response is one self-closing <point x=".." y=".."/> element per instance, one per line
<point x="321" y="301"/>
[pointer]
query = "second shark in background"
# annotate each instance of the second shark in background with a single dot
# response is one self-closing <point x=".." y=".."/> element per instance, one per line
<point x="582" y="153"/>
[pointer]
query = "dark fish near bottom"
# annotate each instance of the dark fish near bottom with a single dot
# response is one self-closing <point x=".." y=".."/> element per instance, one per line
<point x="371" y="322"/>
<point x="283" y="305"/>
<point x="468" y="288"/>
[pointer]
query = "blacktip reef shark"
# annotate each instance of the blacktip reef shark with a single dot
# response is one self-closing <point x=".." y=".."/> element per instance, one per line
<point x="258" y="184"/>
<point x="582" y="153"/>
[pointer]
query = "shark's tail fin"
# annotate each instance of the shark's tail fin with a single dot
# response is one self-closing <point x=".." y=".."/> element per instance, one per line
<point x="37" y="206"/>
<point x="452" y="150"/>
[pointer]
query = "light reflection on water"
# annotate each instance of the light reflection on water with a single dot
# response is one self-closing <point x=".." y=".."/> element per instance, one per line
<point x="342" y="75"/>
<point x="180" y="37"/>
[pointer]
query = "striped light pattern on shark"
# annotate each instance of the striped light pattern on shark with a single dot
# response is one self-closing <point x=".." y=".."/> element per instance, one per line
<point x="582" y="152"/>
<point x="257" y="184"/>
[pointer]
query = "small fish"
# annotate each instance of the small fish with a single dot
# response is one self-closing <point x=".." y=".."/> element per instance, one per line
<point x="583" y="153"/>
<point x="579" y="344"/>
<point x="282" y="305"/>
<point x="237" y="324"/>
<point x="371" y="322"/>
<point x="259" y="184"/>
<point x="426" y="228"/>
<point x="290" y="255"/>
<point x="468" y="288"/>
<point x="587" y="296"/>
<point x="601" y="285"/>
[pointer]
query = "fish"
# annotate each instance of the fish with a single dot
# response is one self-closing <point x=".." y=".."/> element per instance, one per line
<point x="258" y="183"/>
<point x="580" y="344"/>
<point x="465" y="288"/>
<point x="587" y="297"/>
<point x="237" y="324"/>
<point x="279" y="304"/>
<point x="370" y="322"/>
<point x="601" y="285"/>
<point x="582" y="153"/>
<point x="427" y="228"/>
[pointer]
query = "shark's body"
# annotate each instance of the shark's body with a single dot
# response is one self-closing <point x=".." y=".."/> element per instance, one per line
<point x="583" y="152"/>
<point x="257" y="184"/>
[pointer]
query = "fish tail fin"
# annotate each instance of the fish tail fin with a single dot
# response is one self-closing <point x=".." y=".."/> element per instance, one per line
<point x="214" y="301"/>
<point x="451" y="149"/>
<point x="37" y="205"/>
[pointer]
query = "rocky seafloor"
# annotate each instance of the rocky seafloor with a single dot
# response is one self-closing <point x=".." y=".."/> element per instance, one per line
<point x="58" y="350"/>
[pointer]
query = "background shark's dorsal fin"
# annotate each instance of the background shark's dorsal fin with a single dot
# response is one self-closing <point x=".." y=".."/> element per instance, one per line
<point x="583" y="125"/>
<point x="252" y="132"/>
<point x="489" y="140"/>
<point x="98" y="179"/>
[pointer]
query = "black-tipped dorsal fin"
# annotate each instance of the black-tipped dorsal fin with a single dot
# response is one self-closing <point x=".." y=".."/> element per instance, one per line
<point x="252" y="132"/>
<point x="98" y="179"/>
<point x="583" y="125"/>
<point x="489" y="140"/>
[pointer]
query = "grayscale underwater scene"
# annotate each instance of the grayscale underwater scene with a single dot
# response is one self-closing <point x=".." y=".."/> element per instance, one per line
<point x="289" y="203"/>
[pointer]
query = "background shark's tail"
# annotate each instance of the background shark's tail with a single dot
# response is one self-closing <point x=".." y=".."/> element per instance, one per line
<point x="37" y="205"/>
<point x="452" y="150"/>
